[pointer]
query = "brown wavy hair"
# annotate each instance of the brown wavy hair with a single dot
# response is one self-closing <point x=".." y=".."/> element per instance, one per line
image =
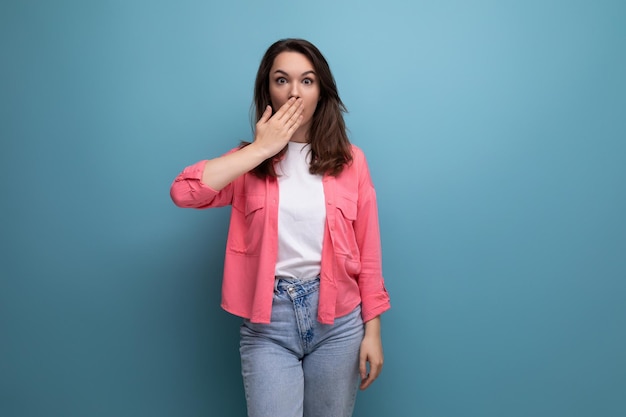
<point x="330" y="147"/>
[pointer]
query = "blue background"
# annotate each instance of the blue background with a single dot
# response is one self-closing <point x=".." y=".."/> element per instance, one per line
<point x="495" y="133"/>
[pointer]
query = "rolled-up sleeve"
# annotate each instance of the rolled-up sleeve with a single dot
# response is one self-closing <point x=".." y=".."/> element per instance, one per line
<point x="374" y="297"/>
<point x="188" y="190"/>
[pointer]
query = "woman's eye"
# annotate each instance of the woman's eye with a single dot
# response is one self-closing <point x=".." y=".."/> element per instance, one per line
<point x="307" y="81"/>
<point x="281" y="80"/>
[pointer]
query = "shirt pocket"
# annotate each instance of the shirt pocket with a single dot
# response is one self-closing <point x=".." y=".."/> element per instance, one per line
<point x="247" y="224"/>
<point x="344" y="236"/>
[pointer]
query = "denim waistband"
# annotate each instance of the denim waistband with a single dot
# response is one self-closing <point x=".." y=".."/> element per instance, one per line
<point x="300" y="286"/>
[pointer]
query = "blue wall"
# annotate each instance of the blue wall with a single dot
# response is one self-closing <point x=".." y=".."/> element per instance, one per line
<point x="495" y="132"/>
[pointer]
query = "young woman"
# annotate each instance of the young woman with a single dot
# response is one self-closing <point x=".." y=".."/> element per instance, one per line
<point x="303" y="256"/>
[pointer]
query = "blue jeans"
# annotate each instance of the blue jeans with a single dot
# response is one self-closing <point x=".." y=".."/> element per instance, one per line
<point x="295" y="366"/>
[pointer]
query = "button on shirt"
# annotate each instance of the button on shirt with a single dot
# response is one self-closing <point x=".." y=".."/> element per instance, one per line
<point x="351" y="267"/>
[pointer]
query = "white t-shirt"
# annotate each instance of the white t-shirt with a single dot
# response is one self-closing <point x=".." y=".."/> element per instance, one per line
<point x="301" y="215"/>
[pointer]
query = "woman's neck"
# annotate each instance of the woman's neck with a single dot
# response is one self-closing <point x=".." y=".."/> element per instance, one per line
<point x="301" y="135"/>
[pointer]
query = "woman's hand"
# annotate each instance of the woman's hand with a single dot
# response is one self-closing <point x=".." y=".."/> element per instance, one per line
<point x="371" y="352"/>
<point x="274" y="132"/>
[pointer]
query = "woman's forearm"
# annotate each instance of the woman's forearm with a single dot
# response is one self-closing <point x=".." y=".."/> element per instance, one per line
<point x="221" y="171"/>
<point x="372" y="327"/>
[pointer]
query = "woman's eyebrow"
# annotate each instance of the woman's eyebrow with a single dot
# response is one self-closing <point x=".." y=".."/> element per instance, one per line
<point x="279" y="71"/>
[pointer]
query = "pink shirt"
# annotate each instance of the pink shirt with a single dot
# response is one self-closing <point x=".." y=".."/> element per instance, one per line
<point x="351" y="270"/>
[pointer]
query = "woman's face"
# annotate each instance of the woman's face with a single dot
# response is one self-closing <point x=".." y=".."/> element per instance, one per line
<point x="293" y="75"/>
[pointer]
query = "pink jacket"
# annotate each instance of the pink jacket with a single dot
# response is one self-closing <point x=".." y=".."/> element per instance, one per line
<point x="351" y="271"/>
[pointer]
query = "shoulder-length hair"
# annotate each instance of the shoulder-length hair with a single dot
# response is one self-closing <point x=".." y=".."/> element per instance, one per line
<point x="330" y="147"/>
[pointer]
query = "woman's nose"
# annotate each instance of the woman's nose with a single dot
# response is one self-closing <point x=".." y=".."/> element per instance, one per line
<point x="294" y="92"/>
